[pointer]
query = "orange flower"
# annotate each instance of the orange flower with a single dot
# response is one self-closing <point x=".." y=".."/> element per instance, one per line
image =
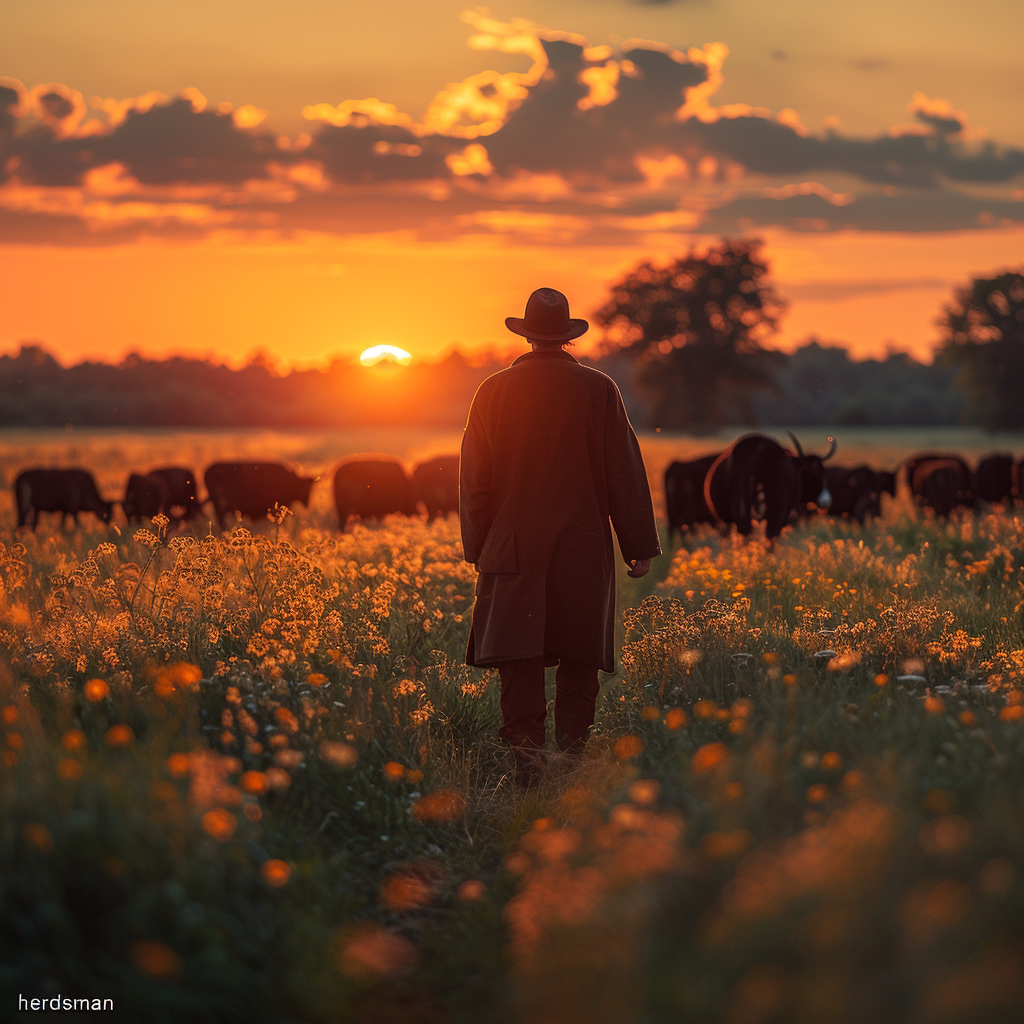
<point x="252" y="812"/>
<point x="968" y="718"/>
<point x="405" y="891"/>
<point x="645" y="792"/>
<point x="278" y="778"/>
<point x="15" y="740"/>
<point x="650" y="713"/>
<point x="789" y="679"/>
<point x="443" y="806"/>
<point x="708" y="758"/>
<point x="831" y="761"/>
<point x="675" y="719"/>
<point x="393" y="771"/>
<point x="220" y="824"/>
<point x="69" y="769"/>
<point x="705" y="709"/>
<point x="119" y="736"/>
<point x="156" y="959"/>
<point x="881" y="679"/>
<point x="9" y="715"/>
<point x="934" y="705"/>
<point x="286" y="719"/>
<point x="471" y="890"/>
<point x="73" y="739"/>
<point x="316" y="679"/>
<point x="1012" y="713"/>
<point x="371" y="951"/>
<point x="178" y="765"/>
<point x="253" y="782"/>
<point x="628" y="747"/>
<point x="276" y="872"/>
<point x="96" y="689"/>
<point x="341" y="755"/>
<point x="817" y="794"/>
<point x="39" y="836"/>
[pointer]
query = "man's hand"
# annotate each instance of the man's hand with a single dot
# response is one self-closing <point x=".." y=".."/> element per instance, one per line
<point x="638" y="567"/>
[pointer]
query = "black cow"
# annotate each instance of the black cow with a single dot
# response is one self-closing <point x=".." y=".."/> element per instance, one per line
<point x="435" y="482"/>
<point x="67" y="491"/>
<point x="993" y="479"/>
<point x="757" y="471"/>
<point x="144" y="496"/>
<point x="253" y="488"/>
<point x="685" y="506"/>
<point x="941" y="483"/>
<point x="371" y="487"/>
<point x="182" y="494"/>
<point x="856" y="491"/>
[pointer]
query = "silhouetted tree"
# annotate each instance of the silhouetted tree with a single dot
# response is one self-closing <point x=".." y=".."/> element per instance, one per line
<point x="694" y="330"/>
<point x="983" y="337"/>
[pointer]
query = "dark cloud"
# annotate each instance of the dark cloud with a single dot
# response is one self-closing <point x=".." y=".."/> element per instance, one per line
<point x="592" y="146"/>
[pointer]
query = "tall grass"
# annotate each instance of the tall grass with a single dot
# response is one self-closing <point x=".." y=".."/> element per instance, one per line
<point x="248" y="777"/>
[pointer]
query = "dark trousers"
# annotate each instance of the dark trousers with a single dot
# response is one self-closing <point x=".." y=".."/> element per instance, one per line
<point x="524" y="708"/>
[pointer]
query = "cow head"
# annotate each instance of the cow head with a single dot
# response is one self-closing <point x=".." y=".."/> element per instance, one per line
<point x="813" y="488"/>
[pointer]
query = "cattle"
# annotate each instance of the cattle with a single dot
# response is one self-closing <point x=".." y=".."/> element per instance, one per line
<point x="757" y="471"/>
<point x="371" y="487"/>
<point x="685" y="506"/>
<point x="67" y="491"/>
<point x="435" y="482"/>
<point x="886" y="482"/>
<point x="182" y="499"/>
<point x="993" y="479"/>
<point x="144" y="497"/>
<point x="253" y="488"/>
<point x="941" y="483"/>
<point x="856" y="491"/>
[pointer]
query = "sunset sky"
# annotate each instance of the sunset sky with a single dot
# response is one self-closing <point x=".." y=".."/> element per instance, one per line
<point x="317" y="177"/>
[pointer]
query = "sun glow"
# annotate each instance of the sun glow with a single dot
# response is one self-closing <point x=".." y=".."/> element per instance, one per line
<point x="384" y="353"/>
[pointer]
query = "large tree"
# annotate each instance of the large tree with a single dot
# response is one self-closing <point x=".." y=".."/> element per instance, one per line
<point x="982" y="331"/>
<point x="695" y="330"/>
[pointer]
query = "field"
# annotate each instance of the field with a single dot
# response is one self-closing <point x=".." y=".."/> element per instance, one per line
<point x="247" y="777"/>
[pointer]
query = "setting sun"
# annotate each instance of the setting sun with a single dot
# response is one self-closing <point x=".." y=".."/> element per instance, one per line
<point x="384" y="353"/>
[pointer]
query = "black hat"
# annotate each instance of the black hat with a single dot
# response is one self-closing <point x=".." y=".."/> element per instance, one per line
<point x="547" y="318"/>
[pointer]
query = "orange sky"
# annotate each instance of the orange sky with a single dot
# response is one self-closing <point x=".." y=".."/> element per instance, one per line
<point x="562" y="155"/>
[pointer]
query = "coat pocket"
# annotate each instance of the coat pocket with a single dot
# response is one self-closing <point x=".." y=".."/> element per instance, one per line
<point x="499" y="553"/>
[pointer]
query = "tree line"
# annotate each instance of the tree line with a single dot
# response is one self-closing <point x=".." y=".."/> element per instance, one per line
<point x="685" y="342"/>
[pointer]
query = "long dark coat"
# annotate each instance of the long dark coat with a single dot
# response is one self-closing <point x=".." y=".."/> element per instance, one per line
<point x="547" y="457"/>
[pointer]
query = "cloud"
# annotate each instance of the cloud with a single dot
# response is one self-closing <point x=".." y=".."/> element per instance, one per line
<point x="589" y="145"/>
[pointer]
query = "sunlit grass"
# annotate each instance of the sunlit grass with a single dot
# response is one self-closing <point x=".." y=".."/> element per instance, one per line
<point x="248" y="776"/>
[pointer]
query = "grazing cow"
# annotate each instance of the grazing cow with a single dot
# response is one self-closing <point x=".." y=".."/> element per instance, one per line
<point x="67" y="491"/>
<point x="856" y="491"/>
<point x="253" y="488"/>
<point x="144" y="497"/>
<point x="993" y="479"/>
<point x="756" y="470"/>
<point x="182" y="501"/>
<point x="371" y="487"/>
<point x="685" y="506"/>
<point x="436" y="483"/>
<point x="941" y="483"/>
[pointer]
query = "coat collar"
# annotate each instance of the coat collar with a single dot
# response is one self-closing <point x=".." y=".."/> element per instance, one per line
<point x="546" y="354"/>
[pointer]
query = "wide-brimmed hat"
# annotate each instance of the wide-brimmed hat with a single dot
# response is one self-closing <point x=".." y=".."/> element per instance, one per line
<point x="547" y="318"/>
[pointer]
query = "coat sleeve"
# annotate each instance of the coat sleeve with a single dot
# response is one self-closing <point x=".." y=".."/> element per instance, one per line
<point x="474" y="483"/>
<point x="629" y="494"/>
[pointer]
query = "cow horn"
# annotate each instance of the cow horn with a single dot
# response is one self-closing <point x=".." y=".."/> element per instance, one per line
<point x="831" y="449"/>
<point x="796" y="444"/>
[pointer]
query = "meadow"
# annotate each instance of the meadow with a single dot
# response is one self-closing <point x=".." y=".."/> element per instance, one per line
<point x="246" y="776"/>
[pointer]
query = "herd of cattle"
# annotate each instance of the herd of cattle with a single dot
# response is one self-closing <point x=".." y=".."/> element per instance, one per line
<point x="364" y="487"/>
<point x="754" y="478"/>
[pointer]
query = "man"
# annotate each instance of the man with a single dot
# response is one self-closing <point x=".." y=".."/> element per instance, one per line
<point x="548" y="456"/>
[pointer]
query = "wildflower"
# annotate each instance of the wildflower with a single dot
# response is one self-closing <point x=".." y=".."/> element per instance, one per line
<point x="471" y="890"/>
<point x="705" y="709"/>
<point x="253" y="812"/>
<point x="675" y="719"/>
<point x="371" y="951"/>
<point x="288" y="758"/>
<point x="341" y="755"/>
<point x="220" y="824"/>
<point x="967" y="718"/>
<point x="789" y="679"/>
<point x="708" y="758"/>
<point x="278" y="778"/>
<point x="316" y="679"/>
<point x="445" y="805"/>
<point x="286" y="720"/>
<point x="645" y="792"/>
<point x="9" y="715"/>
<point x="39" y="836"/>
<point x="831" y="761"/>
<point x="852" y="781"/>
<point x="394" y="772"/>
<point x="935" y="705"/>
<point x="73" y="739"/>
<point x="1012" y="713"/>
<point x="405" y="891"/>
<point x="276" y="872"/>
<point x="69" y="769"/>
<point x="253" y="782"/>
<point x="649" y="713"/>
<point x="119" y="736"/>
<point x="155" y="959"/>
<point x="881" y="679"/>
<point x="15" y="741"/>
<point x="628" y="747"/>
<point x="95" y="690"/>
<point x="817" y="794"/>
<point x="178" y="765"/>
